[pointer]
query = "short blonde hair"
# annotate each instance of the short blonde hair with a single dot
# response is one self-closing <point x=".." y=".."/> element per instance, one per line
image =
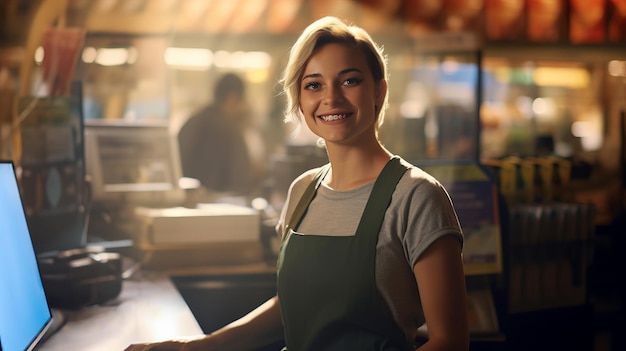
<point x="319" y="33"/>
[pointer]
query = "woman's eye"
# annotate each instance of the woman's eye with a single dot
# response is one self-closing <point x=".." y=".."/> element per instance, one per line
<point x="311" y="86"/>
<point x="352" y="81"/>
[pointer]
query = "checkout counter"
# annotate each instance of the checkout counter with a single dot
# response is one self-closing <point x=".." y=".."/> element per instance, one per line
<point x="151" y="307"/>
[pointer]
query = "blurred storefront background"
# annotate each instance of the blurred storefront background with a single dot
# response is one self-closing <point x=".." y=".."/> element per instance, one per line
<point x="507" y="84"/>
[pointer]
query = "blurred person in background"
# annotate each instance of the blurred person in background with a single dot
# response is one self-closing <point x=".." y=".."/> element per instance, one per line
<point x="215" y="144"/>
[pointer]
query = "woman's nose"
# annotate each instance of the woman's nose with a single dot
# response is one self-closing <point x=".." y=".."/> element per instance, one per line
<point x="333" y="95"/>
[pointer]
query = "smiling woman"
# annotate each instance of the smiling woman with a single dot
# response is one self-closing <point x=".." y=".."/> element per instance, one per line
<point x="371" y="244"/>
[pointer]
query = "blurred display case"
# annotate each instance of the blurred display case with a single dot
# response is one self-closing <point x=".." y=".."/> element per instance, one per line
<point x="436" y="115"/>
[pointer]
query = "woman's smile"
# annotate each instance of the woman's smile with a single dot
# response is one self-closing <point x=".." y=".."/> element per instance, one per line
<point x="334" y="117"/>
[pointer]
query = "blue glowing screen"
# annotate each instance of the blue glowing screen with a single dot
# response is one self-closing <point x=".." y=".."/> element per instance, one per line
<point x="24" y="311"/>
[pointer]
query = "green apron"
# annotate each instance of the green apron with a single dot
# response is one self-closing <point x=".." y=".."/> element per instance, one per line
<point x="326" y="284"/>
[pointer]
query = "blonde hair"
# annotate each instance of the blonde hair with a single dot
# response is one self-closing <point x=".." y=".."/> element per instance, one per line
<point x="319" y="33"/>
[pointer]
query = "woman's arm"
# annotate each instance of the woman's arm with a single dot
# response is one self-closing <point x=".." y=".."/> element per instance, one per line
<point x="262" y="326"/>
<point x="441" y="282"/>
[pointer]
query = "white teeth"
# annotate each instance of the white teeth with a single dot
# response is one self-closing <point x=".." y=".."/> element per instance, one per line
<point x="329" y="118"/>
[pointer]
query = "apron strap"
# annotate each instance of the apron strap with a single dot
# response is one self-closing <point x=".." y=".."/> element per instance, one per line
<point x="380" y="198"/>
<point x="306" y="198"/>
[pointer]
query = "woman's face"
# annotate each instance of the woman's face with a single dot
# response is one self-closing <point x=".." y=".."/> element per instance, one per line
<point x="338" y="95"/>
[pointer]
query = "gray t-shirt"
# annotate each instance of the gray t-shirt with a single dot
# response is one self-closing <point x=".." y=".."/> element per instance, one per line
<point x="419" y="213"/>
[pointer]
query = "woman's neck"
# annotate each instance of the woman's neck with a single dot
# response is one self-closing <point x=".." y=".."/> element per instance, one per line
<point x="354" y="167"/>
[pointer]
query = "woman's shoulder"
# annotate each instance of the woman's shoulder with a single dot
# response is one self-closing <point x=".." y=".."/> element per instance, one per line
<point x="296" y="189"/>
<point x="417" y="176"/>
<point x="417" y="181"/>
<point x="304" y="179"/>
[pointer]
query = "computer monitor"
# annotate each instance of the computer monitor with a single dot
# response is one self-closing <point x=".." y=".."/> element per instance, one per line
<point x="25" y="315"/>
<point x="132" y="164"/>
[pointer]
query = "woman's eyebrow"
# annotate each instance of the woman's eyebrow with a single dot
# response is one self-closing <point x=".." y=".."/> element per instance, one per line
<point x="312" y="75"/>
<point x="350" y="70"/>
<point x="347" y="70"/>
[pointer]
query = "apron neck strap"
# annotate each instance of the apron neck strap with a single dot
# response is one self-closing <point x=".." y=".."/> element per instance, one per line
<point x="380" y="198"/>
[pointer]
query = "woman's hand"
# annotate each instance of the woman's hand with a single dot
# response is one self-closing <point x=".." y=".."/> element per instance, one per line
<point x="204" y="343"/>
<point x="160" y="346"/>
<point x="261" y="326"/>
